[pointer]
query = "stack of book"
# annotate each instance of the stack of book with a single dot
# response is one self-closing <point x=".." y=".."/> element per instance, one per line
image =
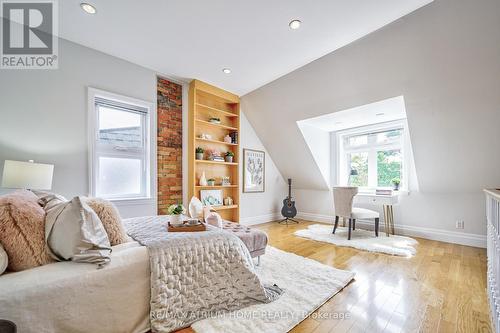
<point x="234" y="137"/>
<point x="217" y="158"/>
<point x="383" y="192"/>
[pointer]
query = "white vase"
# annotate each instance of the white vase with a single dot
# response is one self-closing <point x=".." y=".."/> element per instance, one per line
<point x="176" y="219"/>
<point x="203" y="179"/>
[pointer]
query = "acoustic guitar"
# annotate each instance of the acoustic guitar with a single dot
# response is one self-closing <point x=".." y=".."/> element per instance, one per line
<point x="289" y="211"/>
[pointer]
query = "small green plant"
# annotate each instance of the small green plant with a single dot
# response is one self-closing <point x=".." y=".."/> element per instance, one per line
<point x="214" y="119"/>
<point x="199" y="150"/>
<point x="177" y="209"/>
<point x="211" y="180"/>
<point x="230" y="153"/>
<point x="396" y="181"/>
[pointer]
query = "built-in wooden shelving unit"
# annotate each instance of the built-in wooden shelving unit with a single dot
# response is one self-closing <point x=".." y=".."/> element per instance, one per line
<point x="206" y="101"/>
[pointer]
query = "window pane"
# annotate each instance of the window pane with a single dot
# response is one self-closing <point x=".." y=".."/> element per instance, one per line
<point x="120" y="128"/>
<point x="389" y="166"/>
<point x="389" y="136"/>
<point x="358" y="163"/>
<point x="357" y="140"/>
<point x="119" y="177"/>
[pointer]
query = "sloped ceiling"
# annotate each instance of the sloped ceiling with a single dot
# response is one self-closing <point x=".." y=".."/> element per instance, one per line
<point x="444" y="60"/>
<point x="196" y="39"/>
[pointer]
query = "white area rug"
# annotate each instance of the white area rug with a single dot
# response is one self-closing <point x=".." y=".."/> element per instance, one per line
<point x="307" y="285"/>
<point x="361" y="240"/>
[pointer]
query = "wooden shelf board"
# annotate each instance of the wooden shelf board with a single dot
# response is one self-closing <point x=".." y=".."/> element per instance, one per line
<point x="215" y="162"/>
<point x="203" y="122"/>
<point x="223" y="112"/>
<point x="224" y="207"/>
<point x="216" y="141"/>
<point x="207" y="89"/>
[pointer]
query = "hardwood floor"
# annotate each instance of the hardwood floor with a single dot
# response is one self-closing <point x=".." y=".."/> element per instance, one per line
<point x="441" y="289"/>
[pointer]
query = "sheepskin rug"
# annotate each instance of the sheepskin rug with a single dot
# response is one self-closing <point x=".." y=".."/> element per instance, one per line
<point x="361" y="240"/>
<point x="307" y="285"/>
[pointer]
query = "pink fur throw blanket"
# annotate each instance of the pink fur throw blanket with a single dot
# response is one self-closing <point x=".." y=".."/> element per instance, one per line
<point x="22" y="230"/>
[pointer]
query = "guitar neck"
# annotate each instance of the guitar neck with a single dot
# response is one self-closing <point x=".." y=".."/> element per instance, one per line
<point x="289" y="189"/>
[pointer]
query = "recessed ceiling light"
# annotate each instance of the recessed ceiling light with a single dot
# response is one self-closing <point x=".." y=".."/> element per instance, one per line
<point x="226" y="70"/>
<point x="379" y="114"/>
<point x="294" y="24"/>
<point x="88" y="8"/>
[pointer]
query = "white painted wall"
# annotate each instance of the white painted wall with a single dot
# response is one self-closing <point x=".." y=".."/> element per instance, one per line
<point x="320" y="149"/>
<point x="266" y="206"/>
<point x="444" y="60"/>
<point x="43" y="116"/>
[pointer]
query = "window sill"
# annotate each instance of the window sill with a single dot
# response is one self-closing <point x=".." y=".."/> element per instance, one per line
<point x="133" y="201"/>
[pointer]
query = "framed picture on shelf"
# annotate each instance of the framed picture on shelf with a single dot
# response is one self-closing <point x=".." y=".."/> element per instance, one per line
<point x="254" y="171"/>
<point x="211" y="197"/>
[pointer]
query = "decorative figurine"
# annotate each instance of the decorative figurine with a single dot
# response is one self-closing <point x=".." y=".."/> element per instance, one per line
<point x="203" y="179"/>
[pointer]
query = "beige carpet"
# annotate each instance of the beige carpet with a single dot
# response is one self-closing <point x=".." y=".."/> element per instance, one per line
<point x="307" y="285"/>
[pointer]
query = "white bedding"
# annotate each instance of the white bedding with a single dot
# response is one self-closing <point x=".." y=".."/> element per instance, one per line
<point x="75" y="297"/>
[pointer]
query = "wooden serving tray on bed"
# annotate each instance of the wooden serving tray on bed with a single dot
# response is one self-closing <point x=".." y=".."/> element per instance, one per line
<point x="187" y="228"/>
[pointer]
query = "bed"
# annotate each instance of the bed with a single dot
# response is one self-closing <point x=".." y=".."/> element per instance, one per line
<point x="76" y="297"/>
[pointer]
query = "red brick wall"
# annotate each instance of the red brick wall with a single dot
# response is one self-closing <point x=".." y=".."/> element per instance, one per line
<point x="169" y="99"/>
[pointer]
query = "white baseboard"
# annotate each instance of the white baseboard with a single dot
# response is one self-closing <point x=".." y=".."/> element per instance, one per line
<point x="407" y="230"/>
<point x="253" y="220"/>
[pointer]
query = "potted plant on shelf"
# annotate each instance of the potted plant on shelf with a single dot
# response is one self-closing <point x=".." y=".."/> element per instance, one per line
<point x="214" y="120"/>
<point x="229" y="157"/>
<point x="395" y="183"/>
<point x="199" y="153"/>
<point x="211" y="182"/>
<point x="176" y="214"/>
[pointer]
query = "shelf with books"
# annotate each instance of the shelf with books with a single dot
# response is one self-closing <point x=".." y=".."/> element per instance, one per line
<point x="214" y="119"/>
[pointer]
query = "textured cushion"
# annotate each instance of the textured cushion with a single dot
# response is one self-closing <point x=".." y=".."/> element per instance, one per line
<point x="361" y="213"/>
<point x="254" y="239"/>
<point x="110" y="218"/>
<point x="207" y="210"/>
<point x="75" y="232"/>
<point x="214" y="219"/>
<point x="22" y="224"/>
<point x="4" y="260"/>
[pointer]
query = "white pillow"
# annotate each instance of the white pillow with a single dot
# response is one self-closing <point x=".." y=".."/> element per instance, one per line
<point x="4" y="260"/>
<point x="73" y="231"/>
<point x="214" y="219"/>
<point x="195" y="208"/>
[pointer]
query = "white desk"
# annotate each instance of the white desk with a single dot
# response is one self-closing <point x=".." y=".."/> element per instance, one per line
<point x="387" y="201"/>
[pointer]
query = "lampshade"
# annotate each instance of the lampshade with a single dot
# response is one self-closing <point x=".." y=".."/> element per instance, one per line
<point x="28" y="175"/>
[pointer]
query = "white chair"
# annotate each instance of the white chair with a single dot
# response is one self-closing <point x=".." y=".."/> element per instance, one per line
<point x="342" y="199"/>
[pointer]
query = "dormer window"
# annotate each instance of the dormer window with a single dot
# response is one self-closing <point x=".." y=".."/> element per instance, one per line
<point x="371" y="157"/>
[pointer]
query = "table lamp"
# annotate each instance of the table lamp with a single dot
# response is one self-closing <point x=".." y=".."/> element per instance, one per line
<point x="353" y="172"/>
<point x="27" y="175"/>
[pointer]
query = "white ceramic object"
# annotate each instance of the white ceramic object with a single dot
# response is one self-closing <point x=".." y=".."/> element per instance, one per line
<point x="203" y="179"/>
<point x="176" y="220"/>
<point x="195" y="208"/>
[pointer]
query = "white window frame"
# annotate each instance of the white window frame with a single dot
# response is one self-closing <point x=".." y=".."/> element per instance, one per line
<point x="149" y="154"/>
<point x="342" y="163"/>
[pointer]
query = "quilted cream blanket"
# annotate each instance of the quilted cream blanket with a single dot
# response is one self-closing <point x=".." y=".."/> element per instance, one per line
<point x="196" y="275"/>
